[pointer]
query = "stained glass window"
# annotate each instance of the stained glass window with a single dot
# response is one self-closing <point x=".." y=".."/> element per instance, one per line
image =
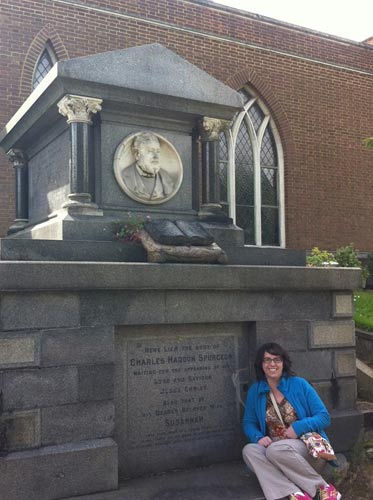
<point x="256" y="174"/>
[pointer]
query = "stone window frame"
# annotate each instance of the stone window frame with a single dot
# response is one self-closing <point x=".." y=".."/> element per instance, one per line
<point x="231" y="138"/>
<point x="48" y="49"/>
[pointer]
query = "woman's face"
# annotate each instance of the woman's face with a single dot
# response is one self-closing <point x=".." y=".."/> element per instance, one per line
<point x="272" y="366"/>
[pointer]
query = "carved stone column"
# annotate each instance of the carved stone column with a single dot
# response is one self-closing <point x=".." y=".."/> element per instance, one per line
<point x="210" y="129"/>
<point x="79" y="110"/>
<point x="19" y="160"/>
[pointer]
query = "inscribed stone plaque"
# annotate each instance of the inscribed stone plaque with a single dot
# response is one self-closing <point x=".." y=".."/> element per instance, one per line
<point x="178" y="404"/>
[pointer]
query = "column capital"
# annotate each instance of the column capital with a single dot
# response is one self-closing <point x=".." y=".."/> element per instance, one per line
<point x="79" y="108"/>
<point x="17" y="157"/>
<point x="210" y="128"/>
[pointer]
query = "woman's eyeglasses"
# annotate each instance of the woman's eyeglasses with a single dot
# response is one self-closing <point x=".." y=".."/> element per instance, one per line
<point x="276" y="361"/>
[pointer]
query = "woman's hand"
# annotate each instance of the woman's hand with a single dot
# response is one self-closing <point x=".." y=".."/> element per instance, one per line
<point x="265" y="441"/>
<point x="290" y="434"/>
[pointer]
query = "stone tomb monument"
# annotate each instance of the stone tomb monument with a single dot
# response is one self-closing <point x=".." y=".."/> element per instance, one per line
<point x="114" y="133"/>
<point x="115" y="370"/>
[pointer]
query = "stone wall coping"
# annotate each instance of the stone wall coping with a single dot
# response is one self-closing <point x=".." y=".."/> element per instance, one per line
<point x="36" y="275"/>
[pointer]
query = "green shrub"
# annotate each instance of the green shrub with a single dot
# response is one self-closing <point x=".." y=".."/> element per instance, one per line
<point x="343" y="257"/>
<point x="319" y="258"/>
<point x="347" y="257"/>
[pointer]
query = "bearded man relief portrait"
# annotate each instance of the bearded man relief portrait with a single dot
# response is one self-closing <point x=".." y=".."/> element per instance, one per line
<point x="148" y="168"/>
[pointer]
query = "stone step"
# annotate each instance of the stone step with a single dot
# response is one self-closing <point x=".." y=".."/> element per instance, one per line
<point x="366" y="408"/>
<point x="227" y="481"/>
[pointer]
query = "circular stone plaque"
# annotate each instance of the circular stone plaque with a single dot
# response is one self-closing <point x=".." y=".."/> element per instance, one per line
<point x="148" y="168"/>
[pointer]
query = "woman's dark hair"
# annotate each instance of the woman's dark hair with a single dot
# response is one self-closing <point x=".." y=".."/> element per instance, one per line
<point x="276" y="350"/>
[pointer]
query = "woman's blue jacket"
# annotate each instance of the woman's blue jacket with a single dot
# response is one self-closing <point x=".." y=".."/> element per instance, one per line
<point x="311" y="411"/>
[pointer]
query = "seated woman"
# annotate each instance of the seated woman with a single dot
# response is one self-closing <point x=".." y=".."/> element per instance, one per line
<point x="280" y="460"/>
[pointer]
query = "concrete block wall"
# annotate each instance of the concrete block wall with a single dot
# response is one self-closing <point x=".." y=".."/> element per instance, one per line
<point x="57" y="370"/>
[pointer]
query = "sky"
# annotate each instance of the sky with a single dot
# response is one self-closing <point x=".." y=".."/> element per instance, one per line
<point x="351" y="19"/>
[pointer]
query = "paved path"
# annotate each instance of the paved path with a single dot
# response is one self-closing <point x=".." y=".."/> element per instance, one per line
<point x="230" y="481"/>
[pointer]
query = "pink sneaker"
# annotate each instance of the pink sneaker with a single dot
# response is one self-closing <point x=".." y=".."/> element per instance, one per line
<point x="299" y="495"/>
<point x="328" y="492"/>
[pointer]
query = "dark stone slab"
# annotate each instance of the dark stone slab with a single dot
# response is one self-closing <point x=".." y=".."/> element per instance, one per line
<point x="224" y="481"/>
<point x="39" y="387"/>
<point x="55" y="472"/>
<point x="96" y="382"/>
<point x="265" y="256"/>
<point x="292" y="335"/>
<point x="166" y="232"/>
<point x="77" y="422"/>
<point x="341" y="421"/>
<point x="195" y="232"/>
<point x="178" y="233"/>
<point x="77" y="346"/>
<point x="128" y="276"/>
<point x="39" y="310"/>
<point x="71" y="250"/>
<point x="316" y="365"/>
<point x="364" y="345"/>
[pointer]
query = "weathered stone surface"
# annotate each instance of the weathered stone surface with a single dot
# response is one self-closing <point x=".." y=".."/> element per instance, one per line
<point x="364" y="380"/>
<point x="55" y="155"/>
<point x="92" y="276"/>
<point x="19" y="349"/>
<point x="342" y="305"/>
<point x="77" y="422"/>
<point x="364" y="344"/>
<point x="73" y="250"/>
<point x="77" y="346"/>
<point x="39" y="387"/>
<point x="225" y="481"/>
<point x="292" y="335"/>
<point x="96" y="382"/>
<point x="332" y="334"/>
<point x="345" y="363"/>
<point x="252" y="256"/>
<point x="341" y="420"/>
<point x="219" y="305"/>
<point x="39" y="310"/>
<point x="59" y="471"/>
<point x="188" y="402"/>
<point x="130" y="307"/>
<point x="337" y="393"/>
<point x="122" y="307"/>
<point x="22" y="429"/>
<point x="314" y="366"/>
<point x="143" y="69"/>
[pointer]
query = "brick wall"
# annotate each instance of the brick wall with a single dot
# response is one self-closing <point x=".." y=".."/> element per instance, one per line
<point x="317" y="87"/>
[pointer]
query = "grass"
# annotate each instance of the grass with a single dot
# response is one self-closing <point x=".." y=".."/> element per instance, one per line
<point x="363" y="300"/>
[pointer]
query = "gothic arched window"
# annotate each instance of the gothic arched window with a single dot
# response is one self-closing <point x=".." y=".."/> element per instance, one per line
<point x="251" y="175"/>
<point x="44" y="65"/>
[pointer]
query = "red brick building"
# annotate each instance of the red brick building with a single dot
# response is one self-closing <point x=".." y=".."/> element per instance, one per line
<point x="299" y="173"/>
